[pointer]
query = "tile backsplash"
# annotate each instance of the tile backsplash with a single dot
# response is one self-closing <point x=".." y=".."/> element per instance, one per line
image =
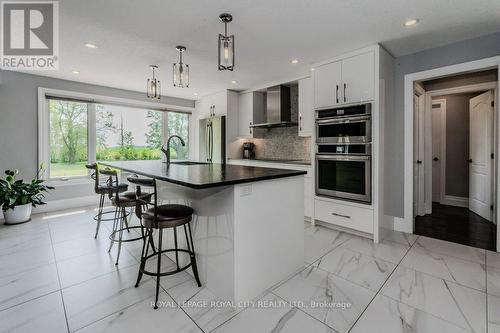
<point x="282" y="143"/>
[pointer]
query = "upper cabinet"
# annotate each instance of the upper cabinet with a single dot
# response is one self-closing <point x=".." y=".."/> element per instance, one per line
<point x="306" y="107"/>
<point x="327" y="85"/>
<point x="250" y="111"/>
<point x="350" y="80"/>
<point x="212" y="105"/>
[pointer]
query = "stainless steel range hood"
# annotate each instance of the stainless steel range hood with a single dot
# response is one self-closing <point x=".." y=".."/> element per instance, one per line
<point x="278" y="113"/>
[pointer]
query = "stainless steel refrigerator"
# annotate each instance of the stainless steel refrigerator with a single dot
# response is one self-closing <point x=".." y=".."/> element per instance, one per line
<point x="213" y="139"/>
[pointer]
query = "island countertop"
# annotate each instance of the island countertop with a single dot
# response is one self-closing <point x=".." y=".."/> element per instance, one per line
<point x="202" y="176"/>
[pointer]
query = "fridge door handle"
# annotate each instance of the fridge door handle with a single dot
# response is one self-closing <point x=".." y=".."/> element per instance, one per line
<point x="207" y="141"/>
<point x="211" y="142"/>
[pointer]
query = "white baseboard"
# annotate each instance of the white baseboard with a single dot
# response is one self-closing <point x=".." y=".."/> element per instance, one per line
<point x="451" y="200"/>
<point x="400" y="225"/>
<point x="56" y="205"/>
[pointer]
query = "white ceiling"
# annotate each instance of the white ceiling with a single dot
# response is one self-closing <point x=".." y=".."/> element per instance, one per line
<point x="131" y="34"/>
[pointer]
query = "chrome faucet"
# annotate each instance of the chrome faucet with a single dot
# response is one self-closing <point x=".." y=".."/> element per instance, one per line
<point x="167" y="151"/>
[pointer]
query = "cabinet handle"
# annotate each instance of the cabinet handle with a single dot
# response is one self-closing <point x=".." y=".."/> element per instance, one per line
<point x="250" y="127"/>
<point x="337" y="93"/>
<point x="340" y="215"/>
<point x="300" y="121"/>
<point x="213" y="111"/>
<point x="345" y="96"/>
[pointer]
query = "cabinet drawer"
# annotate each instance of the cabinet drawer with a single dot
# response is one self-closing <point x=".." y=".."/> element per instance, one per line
<point x="356" y="218"/>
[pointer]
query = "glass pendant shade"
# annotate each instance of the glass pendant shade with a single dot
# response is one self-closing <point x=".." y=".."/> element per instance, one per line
<point x="153" y="85"/>
<point x="226" y="46"/>
<point x="181" y="71"/>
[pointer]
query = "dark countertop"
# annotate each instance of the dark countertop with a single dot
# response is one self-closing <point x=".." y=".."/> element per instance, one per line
<point x="277" y="161"/>
<point x="201" y="176"/>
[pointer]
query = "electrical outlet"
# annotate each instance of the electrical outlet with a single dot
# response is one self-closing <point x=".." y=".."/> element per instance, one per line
<point x="245" y="190"/>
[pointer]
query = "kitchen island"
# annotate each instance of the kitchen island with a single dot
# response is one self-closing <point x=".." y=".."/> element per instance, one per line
<point x="248" y="226"/>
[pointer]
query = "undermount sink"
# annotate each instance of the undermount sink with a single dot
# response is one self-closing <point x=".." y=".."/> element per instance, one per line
<point x="187" y="163"/>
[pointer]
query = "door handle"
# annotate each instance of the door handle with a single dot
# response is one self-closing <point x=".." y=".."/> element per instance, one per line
<point x="250" y="127"/>
<point x="337" y="93"/>
<point x="435" y="159"/>
<point x="469" y="160"/>
<point x="419" y="162"/>
<point x="345" y="96"/>
<point x="300" y="121"/>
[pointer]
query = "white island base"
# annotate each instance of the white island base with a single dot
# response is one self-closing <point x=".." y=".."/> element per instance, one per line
<point x="247" y="237"/>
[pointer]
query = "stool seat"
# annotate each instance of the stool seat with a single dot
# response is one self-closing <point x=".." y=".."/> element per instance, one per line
<point x="167" y="216"/>
<point x="109" y="189"/>
<point x="129" y="199"/>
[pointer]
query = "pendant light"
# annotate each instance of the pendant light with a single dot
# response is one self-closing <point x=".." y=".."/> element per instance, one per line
<point x="153" y="85"/>
<point x="226" y="45"/>
<point x="181" y="70"/>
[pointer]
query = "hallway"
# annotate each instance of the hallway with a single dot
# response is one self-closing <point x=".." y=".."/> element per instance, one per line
<point x="459" y="225"/>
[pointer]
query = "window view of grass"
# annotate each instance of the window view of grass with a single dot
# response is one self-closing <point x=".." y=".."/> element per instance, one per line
<point x="122" y="133"/>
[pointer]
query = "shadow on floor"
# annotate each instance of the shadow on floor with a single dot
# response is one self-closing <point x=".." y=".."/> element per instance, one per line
<point x="459" y="225"/>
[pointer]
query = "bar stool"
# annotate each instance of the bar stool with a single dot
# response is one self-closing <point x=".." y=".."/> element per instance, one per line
<point x="121" y="201"/>
<point x="160" y="217"/>
<point x="103" y="189"/>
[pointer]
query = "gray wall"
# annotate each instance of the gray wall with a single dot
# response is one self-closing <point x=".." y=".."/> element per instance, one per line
<point x="478" y="48"/>
<point x="18" y="119"/>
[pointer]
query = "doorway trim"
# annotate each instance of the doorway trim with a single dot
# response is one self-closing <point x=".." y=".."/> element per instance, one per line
<point x="472" y="66"/>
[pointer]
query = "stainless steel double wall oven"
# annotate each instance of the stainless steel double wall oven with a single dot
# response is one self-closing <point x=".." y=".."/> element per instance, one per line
<point x="343" y="153"/>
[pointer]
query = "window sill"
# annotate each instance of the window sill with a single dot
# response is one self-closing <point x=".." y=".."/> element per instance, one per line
<point x="69" y="182"/>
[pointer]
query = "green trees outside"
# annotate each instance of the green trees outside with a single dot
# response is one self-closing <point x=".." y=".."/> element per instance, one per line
<point x="68" y="136"/>
<point x="114" y="141"/>
<point x="178" y="123"/>
<point x="153" y="136"/>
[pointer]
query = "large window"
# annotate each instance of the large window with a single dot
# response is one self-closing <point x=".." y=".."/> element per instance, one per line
<point x="80" y="132"/>
<point x="68" y="138"/>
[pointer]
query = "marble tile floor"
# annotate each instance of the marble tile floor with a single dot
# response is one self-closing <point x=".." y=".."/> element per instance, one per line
<point x="55" y="277"/>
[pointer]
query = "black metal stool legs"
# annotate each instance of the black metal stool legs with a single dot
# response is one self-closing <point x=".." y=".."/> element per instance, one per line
<point x="123" y="221"/>
<point x="158" y="267"/>
<point x="99" y="214"/>
<point x="192" y="255"/>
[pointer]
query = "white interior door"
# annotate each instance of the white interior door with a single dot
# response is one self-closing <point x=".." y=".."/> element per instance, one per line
<point x="480" y="150"/>
<point x="418" y="149"/>
<point x="437" y="142"/>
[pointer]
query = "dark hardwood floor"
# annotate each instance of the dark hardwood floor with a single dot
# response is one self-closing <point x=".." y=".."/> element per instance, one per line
<point x="459" y="225"/>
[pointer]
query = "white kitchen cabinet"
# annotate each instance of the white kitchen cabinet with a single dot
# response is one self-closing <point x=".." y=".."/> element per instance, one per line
<point x="344" y="215"/>
<point x="245" y="115"/>
<point x="306" y="107"/>
<point x="327" y="84"/>
<point x="219" y="103"/>
<point x="346" y="81"/>
<point x="212" y="105"/>
<point x="250" y="111"/>
<point x="358" y="76"/>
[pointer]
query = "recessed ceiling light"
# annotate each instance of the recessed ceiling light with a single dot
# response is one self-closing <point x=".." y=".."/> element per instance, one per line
<point x="411" y="22"/>
<point x="75" y="72"/>
<point x="233" y="82"/>
<point x="313" y="69"/>
<point x="90" y="45"/>
<point x="294" y="61"/>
